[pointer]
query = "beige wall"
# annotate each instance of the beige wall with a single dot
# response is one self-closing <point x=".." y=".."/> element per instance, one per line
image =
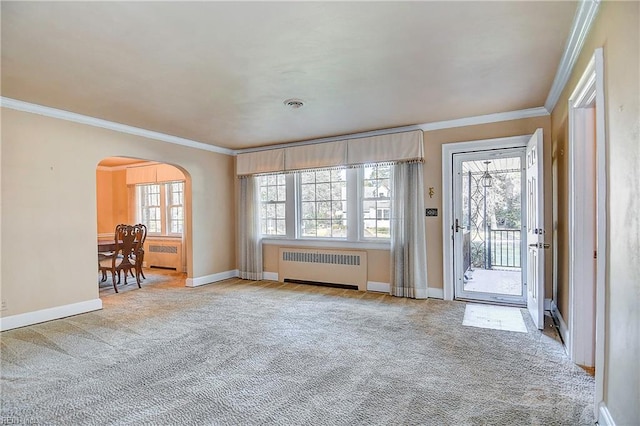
<point x="121" y="211"/>
<point x="378" y="260"/>
<point x="433" y="142"/>
<point x="616" y="30"/>
<point x="104" y="197"/>
<point x="113" y="199"/>
<point x="49" y="202"/>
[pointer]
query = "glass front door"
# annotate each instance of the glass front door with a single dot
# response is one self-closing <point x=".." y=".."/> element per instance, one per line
<point x="489" y="226"/>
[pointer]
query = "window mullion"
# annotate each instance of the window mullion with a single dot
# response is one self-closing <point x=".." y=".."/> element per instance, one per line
<point x="163" y="209"/>
<point x="353" y="209"/>
<point x="291" y="205"/>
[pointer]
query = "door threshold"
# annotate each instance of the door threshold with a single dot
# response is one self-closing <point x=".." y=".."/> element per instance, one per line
<point x="493" y="302"/>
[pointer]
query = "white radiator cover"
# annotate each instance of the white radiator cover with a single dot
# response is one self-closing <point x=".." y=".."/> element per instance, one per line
<point x="163" y="253"/>
<point x="327" y="266"/>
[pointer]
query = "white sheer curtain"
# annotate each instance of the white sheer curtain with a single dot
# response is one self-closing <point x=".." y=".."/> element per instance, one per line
<point x="249" y="230"/>
<point x="408" y="242"/>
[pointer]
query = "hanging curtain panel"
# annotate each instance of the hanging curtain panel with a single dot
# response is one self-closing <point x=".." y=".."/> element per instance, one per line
<point x="249" y="237"/>
<point x="255" y="163"/>
<point x="408" y="237"/>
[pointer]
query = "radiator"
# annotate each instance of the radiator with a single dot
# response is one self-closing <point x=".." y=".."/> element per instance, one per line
<point x="163" y="254"/>
<point x="324" y="266"/>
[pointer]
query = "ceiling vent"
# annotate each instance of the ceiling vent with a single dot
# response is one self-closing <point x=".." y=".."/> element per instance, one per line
<point x="294" y="103"/>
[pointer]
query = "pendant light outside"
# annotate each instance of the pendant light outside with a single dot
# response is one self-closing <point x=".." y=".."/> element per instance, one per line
<point x="486" y="180"/>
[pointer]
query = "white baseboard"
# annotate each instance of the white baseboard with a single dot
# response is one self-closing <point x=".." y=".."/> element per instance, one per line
<point x="604" y="416"/>
<point x="378" y="286"/>
<point x="43" y="315"/>
<point x="208" y="279"/>
<point x="271" y="276"/>
<point x="433" y="293"/>
<point x="564" y="330"/>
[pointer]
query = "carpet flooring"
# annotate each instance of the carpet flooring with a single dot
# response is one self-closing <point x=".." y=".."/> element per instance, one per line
<point x="261" y="353"/>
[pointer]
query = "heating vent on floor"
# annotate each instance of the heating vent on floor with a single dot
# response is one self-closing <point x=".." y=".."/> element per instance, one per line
<point x="324" y="266"/>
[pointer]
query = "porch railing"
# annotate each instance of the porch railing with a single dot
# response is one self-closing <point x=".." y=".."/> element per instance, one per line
<point x="504" y="248"/>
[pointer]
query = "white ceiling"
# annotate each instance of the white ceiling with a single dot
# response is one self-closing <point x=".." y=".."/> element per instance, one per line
<point x="218" y="72"/>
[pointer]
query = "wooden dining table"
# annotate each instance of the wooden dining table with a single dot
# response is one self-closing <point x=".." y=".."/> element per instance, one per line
<point x="106" y="245"/>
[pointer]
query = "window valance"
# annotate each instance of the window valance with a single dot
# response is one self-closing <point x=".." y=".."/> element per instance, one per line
<point x="154" y="173"/>
<point x="394" y="147"/>
<point x="254" y="163"/>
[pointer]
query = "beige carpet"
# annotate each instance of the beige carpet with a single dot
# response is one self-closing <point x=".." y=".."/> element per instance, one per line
<point x="239" y="352"/>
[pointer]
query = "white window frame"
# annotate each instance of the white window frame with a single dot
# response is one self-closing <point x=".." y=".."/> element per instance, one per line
<point x="361" y="199"/>
<point x="169" y="218"/>
<point x="142" y="191"/>
<point x="164" y="208"/>
<point x="286" y="206"/>
<point x="355" y="225"/>
<point x="298" y="203"/>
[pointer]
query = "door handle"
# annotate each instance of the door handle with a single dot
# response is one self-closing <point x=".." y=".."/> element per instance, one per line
<point x="457" y="226"/>
<point x="540" y="245"/>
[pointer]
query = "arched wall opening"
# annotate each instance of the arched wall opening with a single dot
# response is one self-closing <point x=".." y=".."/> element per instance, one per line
<point x="157" y="194"/>
<point x="49" y="212"/>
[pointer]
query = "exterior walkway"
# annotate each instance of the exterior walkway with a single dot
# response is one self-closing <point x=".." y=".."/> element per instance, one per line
<point x="494" y="281"/>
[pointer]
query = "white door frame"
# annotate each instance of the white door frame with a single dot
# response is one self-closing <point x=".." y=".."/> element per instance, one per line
<point x="589" y="93"/>
<point x="448" y="150"/>
<point x="482" y="155"/>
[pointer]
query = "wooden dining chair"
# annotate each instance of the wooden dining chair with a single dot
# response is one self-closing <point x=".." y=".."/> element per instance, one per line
<point x="127" y="241"/>
<point x="138" y="254"/>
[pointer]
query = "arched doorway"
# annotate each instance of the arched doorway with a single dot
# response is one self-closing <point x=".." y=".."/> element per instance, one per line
<point x="130" y="191"/>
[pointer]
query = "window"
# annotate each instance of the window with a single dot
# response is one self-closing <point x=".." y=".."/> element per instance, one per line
<point x="350" y="204"/>
<point x="160" y="206"/>
<point x="273" y="198"/>
<point x="175" y="204"/>
<point x="376" y="202"/>
<point x="323" y="195"/>
<point x="149" y="209"/>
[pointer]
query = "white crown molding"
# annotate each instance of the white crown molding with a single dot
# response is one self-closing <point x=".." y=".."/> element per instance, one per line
<point x="486" y="119"/>
<point x="582" y="21"/>
<point x="97" y="122"/>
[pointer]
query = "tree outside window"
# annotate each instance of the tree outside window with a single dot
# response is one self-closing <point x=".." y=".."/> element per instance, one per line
<point x="376" y="201"/>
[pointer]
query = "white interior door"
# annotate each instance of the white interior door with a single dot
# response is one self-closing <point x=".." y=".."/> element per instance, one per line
<point x="535" y="229"/>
